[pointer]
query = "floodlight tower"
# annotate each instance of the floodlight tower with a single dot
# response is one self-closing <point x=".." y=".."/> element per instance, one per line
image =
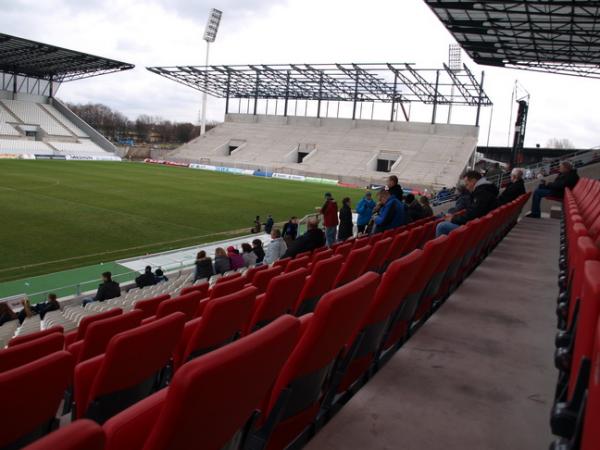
<point x="455" y="65"/>
<point x="210" y="34"/>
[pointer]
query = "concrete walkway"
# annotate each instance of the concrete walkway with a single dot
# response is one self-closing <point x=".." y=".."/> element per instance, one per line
<point x="479" y="374"/>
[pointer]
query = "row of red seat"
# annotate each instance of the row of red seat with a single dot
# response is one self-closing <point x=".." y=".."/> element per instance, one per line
<point x="576" y="411"/>
<point x="298" y="380"/>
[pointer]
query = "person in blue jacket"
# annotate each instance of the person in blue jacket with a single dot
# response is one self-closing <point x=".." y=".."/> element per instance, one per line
<point x="365" y="211"/>
<point x="391" y="214"/>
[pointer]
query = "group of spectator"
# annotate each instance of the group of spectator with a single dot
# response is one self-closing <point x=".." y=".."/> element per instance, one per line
<point x="28" y="310"/>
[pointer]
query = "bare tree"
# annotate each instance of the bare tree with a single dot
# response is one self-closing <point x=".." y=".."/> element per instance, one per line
<point x="562" y="143"/>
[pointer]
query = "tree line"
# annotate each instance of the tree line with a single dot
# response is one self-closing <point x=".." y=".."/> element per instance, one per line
<point x="144" y="129"/>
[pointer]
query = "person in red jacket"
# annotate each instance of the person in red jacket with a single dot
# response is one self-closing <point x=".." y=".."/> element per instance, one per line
<point x="330" y="219"/>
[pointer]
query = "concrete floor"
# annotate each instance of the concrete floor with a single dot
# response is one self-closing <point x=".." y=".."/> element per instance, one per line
<point x="479" y="374"/>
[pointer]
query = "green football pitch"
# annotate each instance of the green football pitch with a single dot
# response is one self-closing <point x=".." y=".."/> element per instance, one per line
<point x="59" y="215"/>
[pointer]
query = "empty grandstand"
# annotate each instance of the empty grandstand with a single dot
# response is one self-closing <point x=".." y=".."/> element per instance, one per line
<point x="33" y="123"/>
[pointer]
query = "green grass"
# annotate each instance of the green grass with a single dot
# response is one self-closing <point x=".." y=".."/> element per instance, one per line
<point x="59" y="215"/>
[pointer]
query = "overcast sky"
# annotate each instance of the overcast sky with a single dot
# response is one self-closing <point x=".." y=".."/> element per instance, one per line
<point x="169" y="32"/>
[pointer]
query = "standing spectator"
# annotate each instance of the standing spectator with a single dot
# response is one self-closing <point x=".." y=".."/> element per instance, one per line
<point x="391" y="212"/>
<point x="146" y="279"/>
<point x="204" y="266"/>
<point x="257" y="248"/>
<point x="237" y="260"/>
<point x="257" y="225"/>
<point x="106" y="290"/>
<point x="514" y="189"/>
<point x="346" y="229"/>
<point x="484" y="199"/>
<point x="276" y="248"/>
<point x="365" y="211"/>
<point x="414" y="208"/>
<point x="427" y="211"/>
<point x="222" y="263"/>
<point x="248" y="255"/>
<point x="567" y="178"/>
<point x="312" y="239"/>
<point x="394" y="187"/>
<point x="269" y="224"/>
<point x="463" y="200"/>
<point x="330" y="218"/>
<point x="290" y="229"/>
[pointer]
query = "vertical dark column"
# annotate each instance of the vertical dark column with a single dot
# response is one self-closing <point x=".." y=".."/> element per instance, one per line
<point x="320" y="95"/>
<point x="394" y="95"/>
<point x="256" y="92"/>
<point x="14" y="85"/>
<point x="480" y="98"/>
<point x="227" y="92"/>
<point x="435" y="96"/>
<point x="287" y="94"/>
<point x="355" y="97"/>
<point x="51" y="87"/>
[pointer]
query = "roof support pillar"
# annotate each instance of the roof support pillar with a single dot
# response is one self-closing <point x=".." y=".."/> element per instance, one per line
<point x="479" y="100"/>
<point x="320" y="95"/>
<point x="355" y="97"/>
<point x="435" y="96"/>
<point x="256" y="92"/>
<point x="227" y="92"/>
<point x="51" y="87"/>
<point x="287" y="94"/>
<point x="394" y="96"/>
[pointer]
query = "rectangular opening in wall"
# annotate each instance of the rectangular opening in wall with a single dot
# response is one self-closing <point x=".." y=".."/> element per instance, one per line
<point x="231" y="148"/>
<point x="301" y="156"/>
<point x="385" y="165"/>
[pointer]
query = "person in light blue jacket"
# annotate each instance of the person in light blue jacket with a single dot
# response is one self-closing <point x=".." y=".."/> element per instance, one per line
<point x="391" y="215"/>
<point x="365" y="211"/>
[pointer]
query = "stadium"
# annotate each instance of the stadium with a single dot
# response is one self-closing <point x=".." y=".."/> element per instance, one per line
<point x="333" y="257"/>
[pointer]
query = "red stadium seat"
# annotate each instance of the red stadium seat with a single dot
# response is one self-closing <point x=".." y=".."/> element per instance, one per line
<point x="343" y="249"/>
<point x="202" y="288"/>
<point x="261" y="279"/>
<point x="228" y="277"/>
<point x="251" y="272"/>
<point x="31" y="395"/>
<point x="281" y="296"/>
<point x="210" y="399"/>
<point x="79" y="333"/>
<point x="591" y="437"/>
<point x="128" y="371"/>
<point x="223" y="321"/>
<point x="324" y="253"/>
<point x="386" y="304"/>
<point x="396" y="248"/>
<point x="79" y="435"/>
<point x="101" y="332"/>
<point x="18" y="355"/>
<point x="234" y="284"/>
<point x="297" y="263"/>
<point x="376" y="261"/>
<point x="354" y="266"/>
<point x="187" y="304"/>
<point x="282" y="262"/>
<point x="318" y="283"/>
<point x="33" y="336"/>
<point x="334" y="322"/>
<point x="150" y="306"/>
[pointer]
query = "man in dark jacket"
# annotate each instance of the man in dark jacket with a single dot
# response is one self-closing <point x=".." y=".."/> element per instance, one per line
<point x="484" y="199"/>
<point x="413" y="208"/>
<point x="391" y="214"/>
<point x="567" y="178"/>
<point x="514" y="189"/>
<point x="146" y="279"/>
<point x="106" y="290"/>
<point x="394" y="187"/>
<point x="312" y="239"/>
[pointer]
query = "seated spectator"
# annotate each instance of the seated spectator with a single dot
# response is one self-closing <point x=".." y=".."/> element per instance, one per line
<point x="269" y="224"/>
<point x="346" y="227"/>
<point x="204" y="266"/>
<point x="567" y="178"/>
<point x="427" y="211"/>
<point x="514" y="189"/>
<point x="391" y="212"/>
<point x="257" y="248"/>
<point x="312" y="239"/>
<point x="7" y="314"/>
<point x="237" y="260"/>
<point x="463" y="200"/>
<point x="494" y="171"/>
<point x="248" y="255"/>
<point x="276" y="248"/>
<point x="413" y="208"/>
<point x="160" y="275"/>
<point x="365" y="211"/>
<point x="222" y="262"/>
<point x="106" y="290"/>
<point x="146" y="279"/>
<point x="257" y="225"/>
<point x="51" y="304"/>
<point x="290" y="229"/>
<point x="484" y="199"/>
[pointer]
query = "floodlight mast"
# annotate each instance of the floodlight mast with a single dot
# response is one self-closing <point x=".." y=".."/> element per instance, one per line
<point x="210" y="34"/>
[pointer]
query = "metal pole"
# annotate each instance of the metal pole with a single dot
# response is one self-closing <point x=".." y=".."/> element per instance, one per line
<point x="320" y="94"/>
<point x="355" y="97"/>
<point x="227" y="93"/>
<point x="287" y="94"/>
<point x="394" y="95"/>
<point x="204" y="94"/>
<point x="435" y="97"/>
<point x="450" y="105"/>
<point x="256" y="92"/>
<point x="51" y="87"/>
<point x="480" y="96"/>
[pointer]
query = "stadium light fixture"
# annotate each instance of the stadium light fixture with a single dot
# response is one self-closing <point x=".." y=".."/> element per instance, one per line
<point x="210" y="34"/>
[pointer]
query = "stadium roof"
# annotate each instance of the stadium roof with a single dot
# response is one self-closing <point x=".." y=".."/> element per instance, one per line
<point x="542" y="35"/>
<point x="37" y="60"/>
<point x="372" y="82"/>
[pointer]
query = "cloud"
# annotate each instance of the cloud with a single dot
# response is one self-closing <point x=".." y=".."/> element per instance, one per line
<point x="169" y="32"/>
